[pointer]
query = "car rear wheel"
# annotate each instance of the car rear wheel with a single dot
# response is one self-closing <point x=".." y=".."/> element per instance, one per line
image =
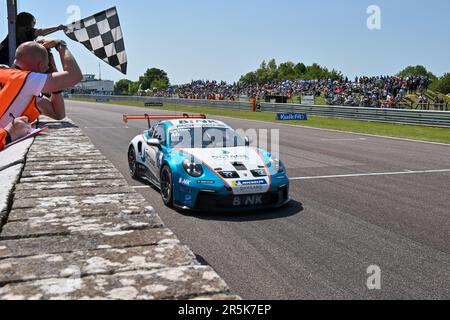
<point x="167" y="186"/>
<point x="132" y="163"/>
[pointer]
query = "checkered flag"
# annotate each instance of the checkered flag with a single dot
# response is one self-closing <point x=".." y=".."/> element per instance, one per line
<point x="102" y="35"/>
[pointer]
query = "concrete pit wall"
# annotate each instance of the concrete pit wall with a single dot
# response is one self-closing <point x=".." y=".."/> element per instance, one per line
<point x="72" y="228"/>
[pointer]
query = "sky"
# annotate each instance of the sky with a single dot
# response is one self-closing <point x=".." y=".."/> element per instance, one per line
<point x="225" y="39"/>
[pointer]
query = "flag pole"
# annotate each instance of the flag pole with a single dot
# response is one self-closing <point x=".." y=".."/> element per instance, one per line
<point x="12" y="15"/>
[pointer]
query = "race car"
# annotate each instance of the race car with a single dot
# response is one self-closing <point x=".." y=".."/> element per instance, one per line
<point x="204" y="165"/>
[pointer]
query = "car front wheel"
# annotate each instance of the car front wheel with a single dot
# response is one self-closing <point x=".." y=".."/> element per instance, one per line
<point x="132" y="163"/>
<point x="167" y="186"/>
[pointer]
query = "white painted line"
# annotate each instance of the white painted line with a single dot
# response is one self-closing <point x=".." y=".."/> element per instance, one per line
<point x="107" y="127"/>
<point x="140" y="187"/>
<point x="369" y="174"/>
<point x="331" y="139"/>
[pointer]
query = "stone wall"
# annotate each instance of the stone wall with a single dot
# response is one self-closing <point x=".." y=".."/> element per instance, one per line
<point x="72" y="228"/>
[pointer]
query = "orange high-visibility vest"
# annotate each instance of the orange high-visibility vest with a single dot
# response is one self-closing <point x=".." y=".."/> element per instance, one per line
<point x="18" y="97"/>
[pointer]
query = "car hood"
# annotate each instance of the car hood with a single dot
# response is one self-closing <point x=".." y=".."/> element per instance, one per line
<point x="237" y="159"/>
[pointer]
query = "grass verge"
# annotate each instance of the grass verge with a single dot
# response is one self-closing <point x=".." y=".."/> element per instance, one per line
<point x="422" y="133"/>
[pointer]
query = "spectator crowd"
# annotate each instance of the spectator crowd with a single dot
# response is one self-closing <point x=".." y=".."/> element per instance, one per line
<point x="378" y="92"/>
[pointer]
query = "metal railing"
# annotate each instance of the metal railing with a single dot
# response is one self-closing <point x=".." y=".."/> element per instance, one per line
<point x="418" y="117"/>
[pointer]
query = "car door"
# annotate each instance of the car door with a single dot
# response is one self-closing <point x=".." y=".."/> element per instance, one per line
<point x="155" y="154"/>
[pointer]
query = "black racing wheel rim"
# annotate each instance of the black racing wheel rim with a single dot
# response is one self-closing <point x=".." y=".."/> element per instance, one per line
<point x="166" y="185"/>
<point x="132" y="161"/>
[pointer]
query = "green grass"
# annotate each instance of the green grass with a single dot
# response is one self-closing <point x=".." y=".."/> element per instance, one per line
<point x="357" y="126"/>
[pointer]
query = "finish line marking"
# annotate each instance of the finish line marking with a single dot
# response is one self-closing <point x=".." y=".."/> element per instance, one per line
<point x="370" y="174"/>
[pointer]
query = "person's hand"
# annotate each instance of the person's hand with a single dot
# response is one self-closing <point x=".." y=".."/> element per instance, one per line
<point x="49" y="43"/>
<point x="61" y="27"/>
<point x="19" y="128"/>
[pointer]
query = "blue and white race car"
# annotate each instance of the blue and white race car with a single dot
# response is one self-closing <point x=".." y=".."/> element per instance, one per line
<point x="202" y="164"/>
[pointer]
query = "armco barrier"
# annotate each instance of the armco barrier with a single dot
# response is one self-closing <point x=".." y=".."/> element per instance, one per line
<point x="419" y="117"/>
<point x="77" y="230"/>
<point x="427" y="118"/>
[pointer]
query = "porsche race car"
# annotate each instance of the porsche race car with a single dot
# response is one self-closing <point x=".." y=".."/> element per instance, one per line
<point x="202" y="164"/>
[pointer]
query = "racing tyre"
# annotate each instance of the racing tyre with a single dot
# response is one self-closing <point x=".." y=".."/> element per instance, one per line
<point x="132" y="163"/>
<point x="167" y="186"/>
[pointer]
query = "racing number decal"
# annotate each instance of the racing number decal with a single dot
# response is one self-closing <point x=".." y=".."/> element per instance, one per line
<point x="253" y="200"/>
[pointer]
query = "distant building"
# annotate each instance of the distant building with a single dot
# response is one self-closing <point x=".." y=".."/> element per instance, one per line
<point x="90" y="85"/>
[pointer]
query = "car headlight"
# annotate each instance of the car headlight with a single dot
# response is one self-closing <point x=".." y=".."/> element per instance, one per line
<point x="277" y="165"/>
<point x="193" y="169"/>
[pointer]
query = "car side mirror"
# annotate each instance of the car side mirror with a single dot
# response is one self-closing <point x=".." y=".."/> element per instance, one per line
<point x="248" y="141"/>
<point x="154" y="143"/>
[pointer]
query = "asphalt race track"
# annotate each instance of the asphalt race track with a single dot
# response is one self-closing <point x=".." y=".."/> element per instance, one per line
<point x="358" y="201"/>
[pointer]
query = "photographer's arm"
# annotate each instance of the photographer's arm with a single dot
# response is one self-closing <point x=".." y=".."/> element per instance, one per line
<point x="53" y="107"/>
<point x="47" y="31"/>
<point x="71" y="75"/>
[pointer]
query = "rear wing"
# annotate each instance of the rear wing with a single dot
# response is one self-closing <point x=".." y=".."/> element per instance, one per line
<point x="147" y="117"/>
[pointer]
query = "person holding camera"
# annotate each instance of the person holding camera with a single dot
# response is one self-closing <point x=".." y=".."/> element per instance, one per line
<point x="34" y="73"/>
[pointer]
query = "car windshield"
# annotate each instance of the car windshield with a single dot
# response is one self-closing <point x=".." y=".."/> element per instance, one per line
<point x="204" y="137"/>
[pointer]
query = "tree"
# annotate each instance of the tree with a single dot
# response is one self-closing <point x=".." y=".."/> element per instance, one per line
<point x="272" y="64"/>
<point x="249" y="78"/>
<point x="289" y="71"/>
<point x="300" y="70"/>
<point x="443" y="84"/>
<point x="151" y="75"/>
<point x="263" y="65"/>
<point x="286" y="71"/>
<point x="416" y="71"/>
<point x="316" y="72"/>
<point x="134" y="88"/>
<point x="122" y="86"/>
<point x="159" y="85"/>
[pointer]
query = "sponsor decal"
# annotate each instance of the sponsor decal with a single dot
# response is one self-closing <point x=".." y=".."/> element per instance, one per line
<point x="242" y="183"/>
<point x="188" y="199"/>
<point x="251" y="189"/>
<point x="184" y="182"/>
<point x="231" y="157"/>
<point x="145" y="156"/>
<point x="248" y="201"/>
<point x="191" y="123"/>
<point x="291" y="116"/>
<point x="205" y="182"/>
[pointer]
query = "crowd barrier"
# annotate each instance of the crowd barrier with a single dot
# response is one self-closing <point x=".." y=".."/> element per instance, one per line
<point x="420" y="117"/>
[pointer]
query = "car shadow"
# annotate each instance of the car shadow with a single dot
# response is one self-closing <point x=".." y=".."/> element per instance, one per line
<point x="291" y="209"/>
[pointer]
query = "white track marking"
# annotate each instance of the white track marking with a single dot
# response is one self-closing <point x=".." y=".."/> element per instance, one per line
<point x="357" y="139"/>
<point x="140" y="187"/>
<point x="369" y="174"/>
<point x="106" y="127"/>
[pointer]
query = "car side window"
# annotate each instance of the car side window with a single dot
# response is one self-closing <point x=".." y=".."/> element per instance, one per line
<point x="160" y="134"/>
<point x="151" y="132"/>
